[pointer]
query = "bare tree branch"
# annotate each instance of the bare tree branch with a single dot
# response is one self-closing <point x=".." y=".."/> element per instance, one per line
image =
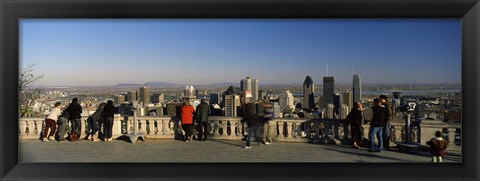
<point x="28" y="96"/>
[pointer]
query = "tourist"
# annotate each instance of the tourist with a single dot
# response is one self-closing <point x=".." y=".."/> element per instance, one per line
<point x="203" y="111"/>
<point x="376" y="126"/>
<point x="388" y="124"/>
<point x="437" y="147"/>
<point x="186" y="116"/>
<point x="75" y="111"/>
<point x="92" y="123"/>
<point x="267" y="116"/>
<point x="108" y="112"/>
<point x="253" y="122"/>
<point x="355" y="119"/>
<point x="50" y="122"/>
<point x="63" y="125"/>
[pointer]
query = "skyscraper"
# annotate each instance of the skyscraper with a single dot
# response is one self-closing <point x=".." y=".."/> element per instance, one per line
<point x="132" y="96"/>
<point x="357" y="88"/>
<point x="232" y="102"/>
<point x="145" y="95"/>
<point x="214" y="98"/>
<point x="330" y="111"/>
<point x="344" y="110"/>
<point x="119" y="99"/>
<point x="189" y="91"/>
<point x="308" y="96"/>
<point x="250" y="84"/>
<point x="328" y="90"/>
<point x="286" y="100"/>
<point x="262" y="94"/>
<point x="347" y="98"/>
<point x="336" y="103"/>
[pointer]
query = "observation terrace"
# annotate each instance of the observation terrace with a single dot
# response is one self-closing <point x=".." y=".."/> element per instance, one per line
<point x="323" y="141"/>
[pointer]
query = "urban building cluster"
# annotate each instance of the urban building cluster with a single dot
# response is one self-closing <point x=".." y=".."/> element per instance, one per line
<point x="328" y="102"/>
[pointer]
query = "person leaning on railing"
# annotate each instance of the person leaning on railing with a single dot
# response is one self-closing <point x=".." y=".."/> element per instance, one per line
<point x="203" y="111"/>
<point x="108" y="112"/>
<point x="355" y="119"/>
<point x="50" y="122"/>
<point x="63" y="125"/>
<point x="75" y="111"/>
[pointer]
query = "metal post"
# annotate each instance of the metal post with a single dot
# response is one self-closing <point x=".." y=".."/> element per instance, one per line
<point x="407" y="129"/>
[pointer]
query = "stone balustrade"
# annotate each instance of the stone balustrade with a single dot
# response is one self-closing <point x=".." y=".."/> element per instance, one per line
<point x="279" y="129"/>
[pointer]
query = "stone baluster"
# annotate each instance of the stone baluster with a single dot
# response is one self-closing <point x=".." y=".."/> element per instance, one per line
<point x="451" y="135"/>
<point x="398" y="133"/>
<point x="326" y="130"/>
<point x="336" y="130"/>
<point x="164" y="129"/>
<point x="216" y="127"/>
<point x="22" y="127"/>
<point x="171" y="127"/>
<point x="159" y="127"/>
<point x="289" y="129"/>
<point x="224" y="128"/>
<point x="306" y="126"/>
<point x="281" y="131"/>
<point x="298" y="126"/>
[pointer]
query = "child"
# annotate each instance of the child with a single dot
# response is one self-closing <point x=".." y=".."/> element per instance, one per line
<point x="437" y="147"/>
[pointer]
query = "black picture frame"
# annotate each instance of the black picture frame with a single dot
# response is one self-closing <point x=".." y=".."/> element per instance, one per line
<point x="12" y="10"/>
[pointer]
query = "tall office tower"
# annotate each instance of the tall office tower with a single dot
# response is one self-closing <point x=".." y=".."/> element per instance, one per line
<point x="214" y="98"/>
<point x="347" y="98"/>
<point x="308" y="96"/>
<point x="328" y="90"/>
<point x="119" y="99"/>
<point x="336" y="103"/>
<point x="286" y="100"/>
<point x="145" y="95"/>
<point x="344" y="110"/>
<point x="262" y="94"/>
<point x="357" y="88"/>
<point x="230" y="91"/>
<point x="330" y="112"/>
<point x="132" y="96"/>
<point x="246" y="97"/>
<point x="232" y="102"/>
<point x="250" y="84"/>
<point x="189" y="91"/>
<point x="277" y="113"/>
<point x="158" y="98"/>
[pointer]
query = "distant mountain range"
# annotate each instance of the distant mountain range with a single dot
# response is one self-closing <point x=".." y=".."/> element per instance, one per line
<point x="149" y="84"/>
<point x="166" y="84"/>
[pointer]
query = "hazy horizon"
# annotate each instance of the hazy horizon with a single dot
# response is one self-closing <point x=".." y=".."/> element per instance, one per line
<point x="206" y="51"/>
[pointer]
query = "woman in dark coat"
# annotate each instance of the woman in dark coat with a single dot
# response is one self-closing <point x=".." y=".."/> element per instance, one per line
<point x="92" y="123"/>
<point x="355" y="118"/>
<point x="108" y="112"/>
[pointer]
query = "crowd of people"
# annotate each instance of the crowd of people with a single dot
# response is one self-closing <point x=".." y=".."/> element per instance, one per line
<point x="101" y="122"/>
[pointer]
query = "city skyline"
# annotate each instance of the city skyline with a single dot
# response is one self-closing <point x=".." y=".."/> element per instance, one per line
<point x="217" y="51"/>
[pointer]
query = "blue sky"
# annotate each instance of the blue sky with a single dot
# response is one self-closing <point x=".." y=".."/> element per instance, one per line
<point x="275" y="51"/>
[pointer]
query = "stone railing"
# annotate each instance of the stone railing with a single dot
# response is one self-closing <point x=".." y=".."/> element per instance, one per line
<point x="279" y="129"/>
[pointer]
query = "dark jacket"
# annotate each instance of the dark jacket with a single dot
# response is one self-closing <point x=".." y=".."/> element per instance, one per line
<point x="203" y="111"/>
<point x="379" y="114"/>
<point x="438" y="147"/>
<point x="65" y="114"/>
<point x="97" y="115"/>
<point x="389" y="115"/>
<point x="108" y="111"/>
<point x="252" y="120"/>
<point x="75" y="110"/>
<point x="355" y="117"/>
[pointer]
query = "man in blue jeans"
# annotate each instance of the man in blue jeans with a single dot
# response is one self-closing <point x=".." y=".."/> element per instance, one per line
<point x="377" y="124"/>
<point x="388" y="118"/>
<point x="75" y="111"/>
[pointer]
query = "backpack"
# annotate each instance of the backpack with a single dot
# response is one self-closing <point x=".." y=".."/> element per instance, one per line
<point x="73" y="136"/>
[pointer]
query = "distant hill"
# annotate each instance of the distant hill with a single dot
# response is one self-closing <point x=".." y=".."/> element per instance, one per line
<point x="149" y="84"/>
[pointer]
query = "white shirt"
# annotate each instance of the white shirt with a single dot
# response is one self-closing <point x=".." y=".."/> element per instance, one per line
<point x="56" y="112"/>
